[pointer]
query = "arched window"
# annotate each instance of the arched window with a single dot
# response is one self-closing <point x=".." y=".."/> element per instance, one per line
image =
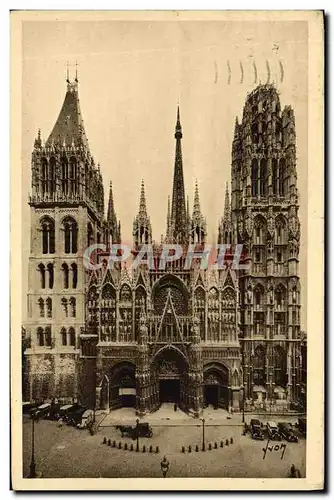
<point x="64" y="269"/>
<point x="254" y="177"/>
<point x="74" y="269"/>
<point x="48" y="235"/>
<point x="263" y="177"/>
<point x="44" y="176"/>
<point x="71" y="235"/>
<point x="73" y="307"/>
<point x="65" y="306"/>
<point x="49" y="307"/>
<point x="64" y="176"/>
<point x="41" y="308"/>
<point x="280" y="366"/>
<point x="52" y="176"/>
<point x="63" y="335"/>
<point x="282" y="174"/>
<point x="274" y="176"/>
<point x="280" y="230"/>
<point x="280" y="295"/>
<point x="259" y="232"/>
<point x="71" y="333"/>
<point x="259" y="366"/>
<point x="47" y="337"/>
<point x="258" y="295"/>
<point x="50" y="271"/>
<point x="40" y="337"/>
<point x="41" y="269"/>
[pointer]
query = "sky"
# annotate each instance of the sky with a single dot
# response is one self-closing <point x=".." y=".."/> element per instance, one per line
<point x="132" y="75"/>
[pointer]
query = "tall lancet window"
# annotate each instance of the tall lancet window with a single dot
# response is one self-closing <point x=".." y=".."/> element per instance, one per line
<point x="263" y="177"/>
<point x="254" y="177"/>
<point x="73" y="176"/>
<point x="71" y="235"/>
<point x="48" y="235"/>
<point x="64" y="176"/>
<point x="52" y="176"/>
<point x="44" y="176"/>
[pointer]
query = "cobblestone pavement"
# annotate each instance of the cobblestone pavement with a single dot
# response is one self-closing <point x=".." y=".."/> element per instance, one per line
<point x="69" y="452"/>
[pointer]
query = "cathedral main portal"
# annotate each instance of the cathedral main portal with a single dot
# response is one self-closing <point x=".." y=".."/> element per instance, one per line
<point x="171" y="368"/>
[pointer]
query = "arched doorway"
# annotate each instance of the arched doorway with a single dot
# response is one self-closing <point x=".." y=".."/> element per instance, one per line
<point x="170" y="368"/>
<point x="216" y="382"/>
<point x="122" y="386"/>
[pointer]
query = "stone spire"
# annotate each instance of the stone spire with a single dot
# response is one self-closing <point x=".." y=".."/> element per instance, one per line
<point x="198" y="223"/>
<point x="142" y="231"/>
<point x="178" y="215"/>
<point x="225" y="226"/>
<point x="168" y="228"/>
<point x="112" y="223"/>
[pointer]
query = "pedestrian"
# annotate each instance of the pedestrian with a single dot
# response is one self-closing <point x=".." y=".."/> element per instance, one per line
<point x="175" y="407"/>
<point x="60" y="423"/>
<point x="164" y="466"/>
<point x="294" y="472"/>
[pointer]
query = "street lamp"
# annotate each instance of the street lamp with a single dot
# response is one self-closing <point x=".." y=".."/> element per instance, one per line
<point x="33" y="473"/>
<point x="137" y="433"/>
<point x="203" y="442"/>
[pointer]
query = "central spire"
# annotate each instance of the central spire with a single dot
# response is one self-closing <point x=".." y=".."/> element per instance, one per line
<point x="178" y="215"/>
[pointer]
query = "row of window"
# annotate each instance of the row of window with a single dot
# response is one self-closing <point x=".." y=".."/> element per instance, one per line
<point x="69" y="275"/>
<point x="68" y="305"/>
<point x="44" y="336"/>
<point x="280" y="178"/>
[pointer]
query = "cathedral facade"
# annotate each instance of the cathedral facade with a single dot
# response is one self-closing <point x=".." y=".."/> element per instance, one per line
<point x="113" y="336"/>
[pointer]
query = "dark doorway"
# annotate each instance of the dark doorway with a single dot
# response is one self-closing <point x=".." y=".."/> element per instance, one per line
<point x="169" y="391"/>
<point x="128" y="400"/>
<point x="211" y="394"/>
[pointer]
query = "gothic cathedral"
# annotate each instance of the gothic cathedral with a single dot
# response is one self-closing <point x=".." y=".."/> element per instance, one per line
<point x="110" y="337"/>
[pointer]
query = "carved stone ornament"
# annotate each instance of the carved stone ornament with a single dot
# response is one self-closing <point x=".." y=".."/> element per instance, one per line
<point x="167" y="367"/>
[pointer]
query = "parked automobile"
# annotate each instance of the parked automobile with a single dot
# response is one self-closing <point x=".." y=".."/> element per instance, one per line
<point x="27" y="407"/>
<point x="63" y="411"/>
<point x="74" y="415"/>
<point x="256" y="429"/>
<point x="273" y="432"/>
<point x="54" y="411"/>
<point x="302" y="426"/>
<point x="286" y="431"/>
<point x="41" y="411"/>
<point x="86" y="418"/>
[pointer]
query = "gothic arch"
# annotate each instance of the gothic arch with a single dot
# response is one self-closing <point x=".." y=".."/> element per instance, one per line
<point x="47" y="227"/>
<point x="168" y="349"/>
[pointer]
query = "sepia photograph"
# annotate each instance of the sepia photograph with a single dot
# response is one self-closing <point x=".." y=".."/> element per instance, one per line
<point x="169" y="325"/>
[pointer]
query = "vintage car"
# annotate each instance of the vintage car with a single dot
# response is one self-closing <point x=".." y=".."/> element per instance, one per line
<point x="86" y="418"/>
<point x="63" y="410"/>
<point x="302" y="426"/>
<point x="286" y="431"/>
<point x="273" y="432"/>
<point x="28" y="407"/>
<point x="41" y="411"/>
<point x="256" y="429"/>
<point x="54" y="411"/>
<point x="74" y="416"/>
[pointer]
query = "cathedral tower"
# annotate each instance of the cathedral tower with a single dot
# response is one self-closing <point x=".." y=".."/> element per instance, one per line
<point x="265" y="220"/>
<point x="66" y="206"/>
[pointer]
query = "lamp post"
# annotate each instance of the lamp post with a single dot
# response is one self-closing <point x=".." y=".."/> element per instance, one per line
<point x="137" y="433"/>
<point x="32" y="474"/>
<point x="203" y="441"/>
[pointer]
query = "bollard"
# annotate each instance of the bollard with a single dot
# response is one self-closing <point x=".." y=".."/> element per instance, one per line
<point x="151" y="449"/>
<point x="104" y="440"/>
<point x="109" y="442"/>
<point x="231" y="441"/>
<point x="131" y="447"/>
<point x="114" y="444"/>
<point x="125" y="446"/>
<point x="196" y="447"/>
<point x="226" y="442"/>
<point x="210" y="447"/>
<point x="221" y="444"/>
<point x="189" y="449"/>
<point x="144" y="449"/>
<point x="216" y="445"/>
<point x="157" y="449"/>
<point x="120" y="445"/>
<point x="183" y="449"/>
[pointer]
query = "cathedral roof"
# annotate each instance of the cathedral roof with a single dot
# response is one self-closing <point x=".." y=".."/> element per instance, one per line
<point x="69" y="127"/>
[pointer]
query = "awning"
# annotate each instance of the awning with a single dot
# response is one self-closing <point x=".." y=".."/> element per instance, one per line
<point x="127" y="391"/>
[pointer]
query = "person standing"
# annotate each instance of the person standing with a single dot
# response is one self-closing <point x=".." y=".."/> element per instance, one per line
<point x="164" y="466"/>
